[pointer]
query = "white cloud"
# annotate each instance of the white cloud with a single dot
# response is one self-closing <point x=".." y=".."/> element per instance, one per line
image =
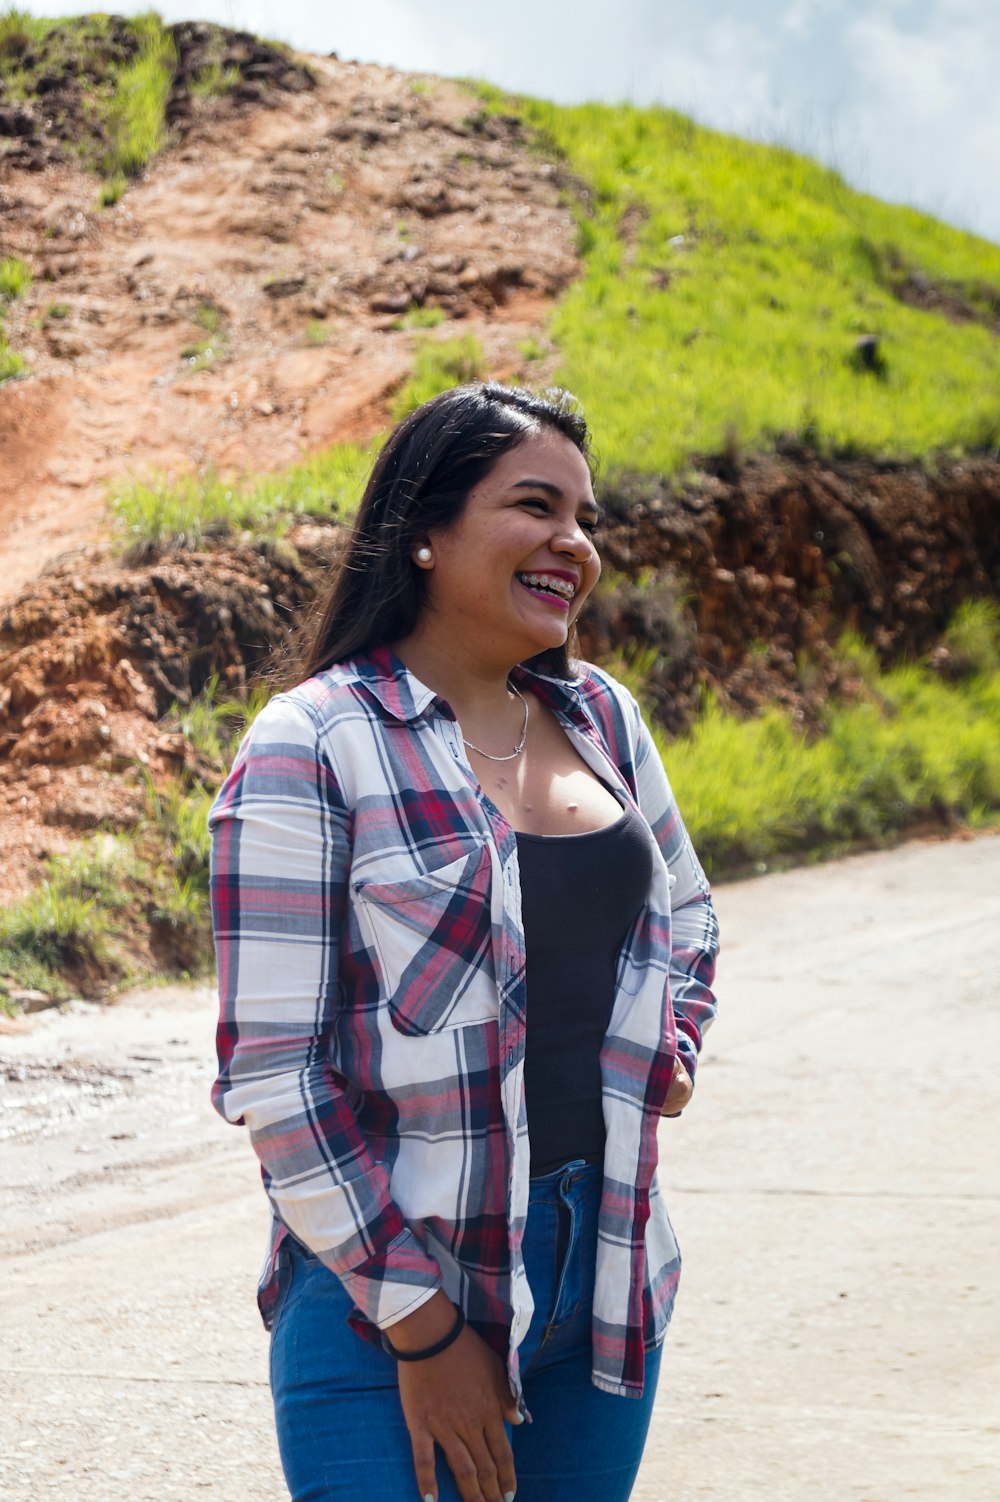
<point x="930" y="108"/>
<point x="725" y="76"/>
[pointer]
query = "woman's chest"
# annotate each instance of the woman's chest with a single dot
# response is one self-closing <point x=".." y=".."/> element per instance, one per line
<point x="556" y="787"/>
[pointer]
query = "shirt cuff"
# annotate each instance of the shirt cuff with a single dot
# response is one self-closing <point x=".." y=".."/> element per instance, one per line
<point x="394" y="1283"/>
<point x="687" y="1053"/>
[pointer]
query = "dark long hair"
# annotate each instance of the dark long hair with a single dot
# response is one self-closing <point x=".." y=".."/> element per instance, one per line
<point x="420" y="483"/>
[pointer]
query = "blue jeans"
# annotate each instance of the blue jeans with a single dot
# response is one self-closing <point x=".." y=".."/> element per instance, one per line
<point x="341" y="1431"/>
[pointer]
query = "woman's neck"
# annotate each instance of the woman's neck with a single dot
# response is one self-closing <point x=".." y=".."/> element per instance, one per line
<point x="476" y="689"/>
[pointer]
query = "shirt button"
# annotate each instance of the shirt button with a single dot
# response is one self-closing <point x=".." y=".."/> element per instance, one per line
<point x="510" y="1056"/>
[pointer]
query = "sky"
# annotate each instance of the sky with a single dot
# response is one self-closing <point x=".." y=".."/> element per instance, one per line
<point x="901" y="96"/>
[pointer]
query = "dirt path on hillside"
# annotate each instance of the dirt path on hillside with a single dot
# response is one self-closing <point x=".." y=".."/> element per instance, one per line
<point x="287" y="241"/>
<point x="834" y="1188"/>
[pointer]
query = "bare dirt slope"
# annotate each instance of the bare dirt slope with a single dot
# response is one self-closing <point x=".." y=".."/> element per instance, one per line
<point x="303" y="227"/>
<point x="834" y="1188"/>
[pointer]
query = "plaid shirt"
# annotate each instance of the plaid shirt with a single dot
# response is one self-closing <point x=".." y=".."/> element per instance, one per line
<point x="366" y="904"/>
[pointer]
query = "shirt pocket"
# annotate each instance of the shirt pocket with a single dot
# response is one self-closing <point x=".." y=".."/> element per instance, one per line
<point x="432" y="937"/>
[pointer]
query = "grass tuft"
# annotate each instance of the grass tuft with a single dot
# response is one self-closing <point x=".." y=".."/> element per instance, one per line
<point x="190" y="509"/>
<point x="438" y="365"/>
<point x="136" y="112"/>
<point x="214" y="80"/>
<point x="15" y="278"/>
<point x="420" y="318"/>
<point x="11" y="363"/>
<point x="973" y="637"/>
<point x="111" y="190"/>
<point x="55" y="928"/>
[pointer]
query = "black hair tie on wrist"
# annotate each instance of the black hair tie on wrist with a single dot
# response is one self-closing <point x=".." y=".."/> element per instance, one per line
<point x="434" y="1350"/>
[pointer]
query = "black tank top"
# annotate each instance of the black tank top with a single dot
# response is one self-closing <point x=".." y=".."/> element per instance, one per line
<point x="580" y="895"/>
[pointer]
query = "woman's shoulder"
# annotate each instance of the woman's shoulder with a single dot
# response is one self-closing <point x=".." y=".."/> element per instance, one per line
<point x="308" y="710"/>
<point x="604" y="700"/>
<point x="602" y="693"/>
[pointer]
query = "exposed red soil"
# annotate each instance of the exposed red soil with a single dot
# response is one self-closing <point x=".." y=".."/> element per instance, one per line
<point x="310" y="228"/>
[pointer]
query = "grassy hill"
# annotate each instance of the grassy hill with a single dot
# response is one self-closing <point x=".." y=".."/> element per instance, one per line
<point x="726" y="288"/>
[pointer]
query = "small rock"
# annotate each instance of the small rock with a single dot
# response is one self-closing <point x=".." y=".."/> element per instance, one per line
<point x="286" y="287"/>
<point x="389" y="302"/>
<point x="29" y="1000"/>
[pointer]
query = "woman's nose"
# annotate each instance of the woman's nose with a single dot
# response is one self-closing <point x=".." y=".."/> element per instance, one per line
<point x="573" y="542"/>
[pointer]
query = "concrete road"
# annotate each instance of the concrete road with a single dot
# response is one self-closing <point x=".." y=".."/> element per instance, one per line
<point x="834" y="1185"/>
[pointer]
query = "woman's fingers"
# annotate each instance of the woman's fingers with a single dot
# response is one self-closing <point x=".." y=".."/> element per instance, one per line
<point x="423" y="1465"/>
<point x="680" y="1092"/>
<point x="503" y="1460"/>
<point x="472" y="1466"/>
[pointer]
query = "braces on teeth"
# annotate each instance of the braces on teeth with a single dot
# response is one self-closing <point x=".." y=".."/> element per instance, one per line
<point x="555" y="586"/>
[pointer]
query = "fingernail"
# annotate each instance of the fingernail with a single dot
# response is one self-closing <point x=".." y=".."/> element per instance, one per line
<point x="508" y="1497"/>
<point x="428" y="1497"/>
<point x="517" y="1419"/>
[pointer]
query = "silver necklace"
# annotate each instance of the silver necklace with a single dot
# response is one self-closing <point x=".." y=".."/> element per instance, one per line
<point x="520" y="745"/>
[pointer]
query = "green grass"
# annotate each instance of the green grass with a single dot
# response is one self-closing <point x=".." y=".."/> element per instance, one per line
<point x="730" y="312"/>
<point x="53" y="929"/>
<point x="91" y="923"/>
<point x="15" y="278"/>
<point x="214" y="80"/>
<point x="111" y="190"/>
<point x="205" y="353"/>
<point x="318" y="333"/>
<point x="420" y="318"/>
<point x="11" y="363"/>
<point x="973" y="637"/>
<point x="325" y="485"/>
<point x="17" y="30"/>
<point x="438" y="364"/>
<point x="126" y="100"/>
<point x="758" y="793"/>
<point x="136" y="111"/>
<point x="201" y="356"/>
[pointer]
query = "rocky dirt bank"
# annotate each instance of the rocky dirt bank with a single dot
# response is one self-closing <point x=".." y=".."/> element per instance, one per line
<point x="258" y="292"/>
<point x="742" y="583"/>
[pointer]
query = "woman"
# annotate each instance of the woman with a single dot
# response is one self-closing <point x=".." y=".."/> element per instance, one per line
<point x="455" y="1001"/>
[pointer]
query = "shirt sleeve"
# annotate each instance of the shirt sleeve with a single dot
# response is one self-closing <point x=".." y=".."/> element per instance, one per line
<point x="279" y="871"/>
<point x="693" y="923"/>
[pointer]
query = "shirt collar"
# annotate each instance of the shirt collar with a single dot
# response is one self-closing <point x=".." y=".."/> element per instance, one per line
<point x="403" y="696"/>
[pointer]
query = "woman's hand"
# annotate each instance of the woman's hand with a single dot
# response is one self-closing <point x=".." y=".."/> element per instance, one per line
<point x="459" y="1399"/>
<point x="680" y="1092"/>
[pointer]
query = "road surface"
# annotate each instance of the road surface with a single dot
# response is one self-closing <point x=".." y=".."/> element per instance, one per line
<point x="834" y="1185"/>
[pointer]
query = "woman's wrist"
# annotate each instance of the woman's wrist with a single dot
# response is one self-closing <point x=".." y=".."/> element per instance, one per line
<point x="425" y="1326"/>
<point x="426" y="1352"/>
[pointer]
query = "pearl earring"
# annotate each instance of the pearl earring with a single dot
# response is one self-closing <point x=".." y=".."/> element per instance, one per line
<point x="423" y="555"/>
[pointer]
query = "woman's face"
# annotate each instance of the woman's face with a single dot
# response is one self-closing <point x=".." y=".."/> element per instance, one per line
<point x="510" y="575"/>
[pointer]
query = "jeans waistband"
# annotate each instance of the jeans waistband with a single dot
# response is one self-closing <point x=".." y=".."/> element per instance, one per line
<point x="553" y="1185"/>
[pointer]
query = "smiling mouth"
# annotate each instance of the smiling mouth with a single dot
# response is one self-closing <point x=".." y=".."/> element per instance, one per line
<point x="553" y="590"/>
